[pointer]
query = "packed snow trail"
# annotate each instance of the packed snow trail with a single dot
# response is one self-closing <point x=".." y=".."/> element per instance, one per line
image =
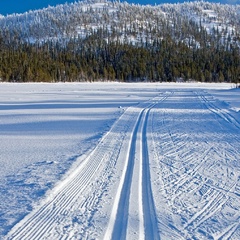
<point x="68" y="211"/>
<point x="146" y="213"/>
<point x="150" y="218"/>
<point x="121" y="221"/>
<point x="168" y="169"/>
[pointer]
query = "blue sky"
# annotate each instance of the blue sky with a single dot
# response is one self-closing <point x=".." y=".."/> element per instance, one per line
<point x="20" y="6"/>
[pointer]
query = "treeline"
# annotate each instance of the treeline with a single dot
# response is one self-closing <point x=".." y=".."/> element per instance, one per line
<point x="95" y="59"/>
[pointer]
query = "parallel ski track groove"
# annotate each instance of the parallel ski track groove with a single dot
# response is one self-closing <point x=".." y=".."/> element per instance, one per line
<point x="149" y="211"/>
<point x="117" y="228"/>
<point x="121" y="221"/>
<point x="218" y="111"/>
<point x="73" y="192"/>
<point x="45" y="221"/>
<point x="40" y="222"/>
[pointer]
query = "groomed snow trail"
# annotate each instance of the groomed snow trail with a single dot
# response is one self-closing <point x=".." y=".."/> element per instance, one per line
<point x="67" y="213"/>
<point x="167" y="169"/>
<point x="146" y="215"/>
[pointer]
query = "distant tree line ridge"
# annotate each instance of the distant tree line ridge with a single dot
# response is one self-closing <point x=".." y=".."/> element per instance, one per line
<point x="102" y="41"/>
<point x="94" y="59"/>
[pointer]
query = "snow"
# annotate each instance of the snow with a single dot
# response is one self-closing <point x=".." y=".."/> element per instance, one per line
<point x="104" y="160"/>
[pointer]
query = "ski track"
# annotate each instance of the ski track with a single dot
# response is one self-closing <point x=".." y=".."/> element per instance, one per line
<point x="199" y="179"/>
<point x="148" y="227"/>
<point x="68" y="212"/>
<point x="74" y="195"/>
<point x="149" y="211"/>
<point x="179" y="177"/>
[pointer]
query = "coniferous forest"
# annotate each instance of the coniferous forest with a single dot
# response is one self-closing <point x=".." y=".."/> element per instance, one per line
<point x="181" y="51"/>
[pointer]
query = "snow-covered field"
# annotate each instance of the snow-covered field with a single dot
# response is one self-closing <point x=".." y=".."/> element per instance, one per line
<point x="119" y="161"/>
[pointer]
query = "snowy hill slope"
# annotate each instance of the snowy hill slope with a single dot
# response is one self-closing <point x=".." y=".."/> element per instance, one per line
<point x="125" y="22"/>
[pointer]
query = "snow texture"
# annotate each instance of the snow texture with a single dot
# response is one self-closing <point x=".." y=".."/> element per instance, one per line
<point x="119" y="161"/>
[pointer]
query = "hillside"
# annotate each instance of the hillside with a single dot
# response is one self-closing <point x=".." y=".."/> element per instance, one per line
<point x="135" y="22"/>
<point x="93" y="25"/>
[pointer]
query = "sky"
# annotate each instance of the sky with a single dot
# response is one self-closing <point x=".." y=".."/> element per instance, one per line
<point x="20" y="6"/>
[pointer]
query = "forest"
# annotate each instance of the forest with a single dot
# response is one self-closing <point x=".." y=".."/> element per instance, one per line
<point x="161" y="51"/>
